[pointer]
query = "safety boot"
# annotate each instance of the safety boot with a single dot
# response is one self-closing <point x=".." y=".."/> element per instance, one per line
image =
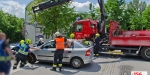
<point x="14" y="68"/>
<point x="22" y="65"/>
<point x="60" y="69"/>
<point x="97" y="55"/>
<point x="53" y="69"/>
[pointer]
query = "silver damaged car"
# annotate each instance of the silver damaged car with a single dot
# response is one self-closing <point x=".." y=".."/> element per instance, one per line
<point x="76" y="55"/>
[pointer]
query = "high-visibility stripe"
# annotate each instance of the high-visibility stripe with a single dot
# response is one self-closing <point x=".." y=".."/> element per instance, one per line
<point x="97" y="54"/>
<point x="5" y="58"/>
<point x="60" y="65"/>
<point x="54" y="65"/>
<point x="22" y="52"/>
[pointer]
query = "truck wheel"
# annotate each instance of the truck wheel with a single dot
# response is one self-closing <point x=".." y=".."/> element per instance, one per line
<point x="145" y="53"/>
<point x="76" y="62"/>
<point x="31" y="58"/>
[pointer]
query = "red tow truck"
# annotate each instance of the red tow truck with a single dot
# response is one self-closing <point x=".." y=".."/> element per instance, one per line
<point x="128" y="42"/>
<point x="85" y="28"/>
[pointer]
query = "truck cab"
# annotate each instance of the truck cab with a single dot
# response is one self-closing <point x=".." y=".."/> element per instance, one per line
<point x="85" y="28"/>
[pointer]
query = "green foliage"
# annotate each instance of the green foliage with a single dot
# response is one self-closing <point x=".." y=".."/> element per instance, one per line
<point x="133" y="15"/>
<point x="114" y="10"/>
<point x="92" y="12"/>
<point x="135" y="9"/>
<point x="130" y="15"/>
<point x="11" y="25"/>
<point x="58" y="18"/>
<point x="146" y="18"/>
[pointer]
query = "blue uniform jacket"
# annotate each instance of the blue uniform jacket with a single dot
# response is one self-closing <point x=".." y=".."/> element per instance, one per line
<point x="97" y="40"/>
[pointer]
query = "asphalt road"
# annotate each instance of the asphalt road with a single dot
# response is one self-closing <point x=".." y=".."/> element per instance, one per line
<point x="104" y="65"/>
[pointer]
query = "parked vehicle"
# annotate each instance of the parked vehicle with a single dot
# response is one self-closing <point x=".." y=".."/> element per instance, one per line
<point x="12" y="47"/>
<point x="76" y="55"/>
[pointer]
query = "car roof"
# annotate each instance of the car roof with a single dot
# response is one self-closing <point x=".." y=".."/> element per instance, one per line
<point x="67" y="39"/>
<point x="74" y="40"/>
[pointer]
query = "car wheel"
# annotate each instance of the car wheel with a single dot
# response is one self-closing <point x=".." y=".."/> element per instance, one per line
<point x="31" y="58"/>
<point x="145" y="53"/>
<point x="76" y="62"/>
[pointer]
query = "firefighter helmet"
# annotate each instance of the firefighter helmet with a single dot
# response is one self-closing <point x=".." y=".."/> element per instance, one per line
<point x="72" y="35"/>
<point x="57" y="34"/>
<point x="28" y="41"/>
<point x="97" y="35"/>
<point x="22" y="41"/>
<point x="41" y="39"/>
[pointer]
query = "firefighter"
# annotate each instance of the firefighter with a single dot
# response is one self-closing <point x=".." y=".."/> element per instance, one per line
<point x="97" y="43"/>
<point x="72" y="36"/>
<point x="5" y="55"/>
<point x="60" y="46"/>
<point x="40" y="42"/>
<point x="18" y="46"/>
<point x="22" y="53"/>
<point x="86" y="41"/>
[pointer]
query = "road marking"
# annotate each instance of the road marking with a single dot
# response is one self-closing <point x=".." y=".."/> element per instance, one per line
<point x="113" y="67"/>
<point x="101" y="71"/>
<point x="108" y="68"/>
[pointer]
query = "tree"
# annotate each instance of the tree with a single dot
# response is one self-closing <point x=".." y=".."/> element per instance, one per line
<point x="146" y="18"/>
<point x="114" y="11"/>
<point x="135" y="9"/>
<point x="12" y="26"/>
<point x="92" y="12"/>
<point x="83" y="15"/>
<point x="58" y="18"/>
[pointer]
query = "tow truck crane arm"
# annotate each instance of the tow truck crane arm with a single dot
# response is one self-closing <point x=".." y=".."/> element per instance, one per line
<point x="48" y="4"/>
<point x="102" y="21"/>
<point x="52" y="3"/>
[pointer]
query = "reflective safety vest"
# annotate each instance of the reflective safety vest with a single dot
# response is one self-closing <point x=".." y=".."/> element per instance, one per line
<point x="22" y="49"/>
<point x="60" y="43"/>
<point x="4" y="56"/>
<point x="86" y="42"/>
<point x="17" y="48"/>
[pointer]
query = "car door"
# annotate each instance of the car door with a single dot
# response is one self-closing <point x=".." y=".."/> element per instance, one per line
<point x="46" y="52"/>
<point x="67" y="53"/>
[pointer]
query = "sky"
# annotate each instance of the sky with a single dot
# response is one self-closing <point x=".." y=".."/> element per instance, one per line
<point x="17" y="7"/>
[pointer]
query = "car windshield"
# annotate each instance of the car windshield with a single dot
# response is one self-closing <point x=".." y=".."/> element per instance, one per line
<point x="14" y="44"/>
